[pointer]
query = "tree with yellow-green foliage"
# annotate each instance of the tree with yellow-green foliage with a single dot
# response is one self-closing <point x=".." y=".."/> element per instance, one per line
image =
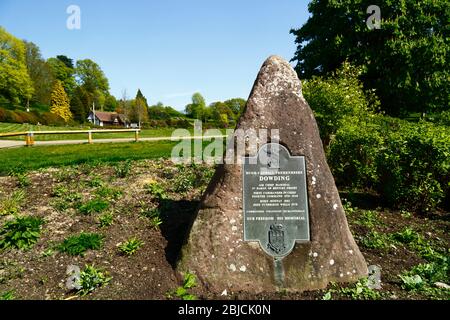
<point x="16" y="86"/>
<point x="60" y="102"/>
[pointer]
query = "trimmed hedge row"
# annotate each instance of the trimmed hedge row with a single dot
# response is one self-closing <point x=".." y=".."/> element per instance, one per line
<point x="407" y="163"/>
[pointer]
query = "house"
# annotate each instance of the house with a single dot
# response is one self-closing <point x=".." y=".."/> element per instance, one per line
<point x="101" y="118"/>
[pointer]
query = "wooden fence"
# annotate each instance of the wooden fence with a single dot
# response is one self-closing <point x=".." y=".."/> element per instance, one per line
<point x="29" y="135"/>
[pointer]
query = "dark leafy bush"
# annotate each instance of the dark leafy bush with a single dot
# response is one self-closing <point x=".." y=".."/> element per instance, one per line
<point x="353" y="155"/>
<point x="407" y="163"/>
<point x="414" y="166"/>
<point x="338" y="99"/>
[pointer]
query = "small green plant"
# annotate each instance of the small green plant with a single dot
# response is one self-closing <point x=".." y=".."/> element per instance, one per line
<point x="23" y="180"/>
<point x="11" y="204"/>
<point x="92" y="278"/>
<point x="108" y="193"/>
<point x="154" y="217"/>
<point x="407" y="235"/>
<point x="77" y="245"/>
<point x="130" y="246"/>
<point x="93" y="206"/>
<point x="8" y="295"/>
<point x="60" y="191"/>
<point x="48" y="252"/>
<point x="106" y="220"/>
<point x="405" y="214"/>
<point x="361" y="291"/>
<point x="155" y="222"/>
<point x="96" y="182"/>
<point x="21" y="233"/>
<point x="189" y="282"/>
<point x="156" y="190"/>
<point x="414" y="282"/>
<point x="123" y="169"/>
<point x="66" y="199"/>
<point x="376" y="240"/>
<point x="368" y="218"/>
<point x="422" y="278"/>
<point x="347" y="205"/>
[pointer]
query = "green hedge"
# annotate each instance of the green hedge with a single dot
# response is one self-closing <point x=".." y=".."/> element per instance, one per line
<point x="407" y="163"/>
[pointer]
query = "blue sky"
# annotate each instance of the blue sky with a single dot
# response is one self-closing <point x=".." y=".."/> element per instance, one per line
<point x="169" y="49"/>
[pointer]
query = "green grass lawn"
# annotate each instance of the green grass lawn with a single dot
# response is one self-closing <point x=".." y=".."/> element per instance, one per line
<point x="13" y="127"/>
<point x="49" y="156"/>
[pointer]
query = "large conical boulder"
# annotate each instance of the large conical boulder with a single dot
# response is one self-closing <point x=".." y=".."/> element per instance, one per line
<point x="215" y="250"/>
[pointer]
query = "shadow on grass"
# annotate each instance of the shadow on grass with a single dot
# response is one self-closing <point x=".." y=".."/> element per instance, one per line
<point x="177" y="217"/>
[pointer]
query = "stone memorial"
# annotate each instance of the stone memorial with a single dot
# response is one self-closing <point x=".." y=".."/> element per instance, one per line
<point x="275" y="220"/>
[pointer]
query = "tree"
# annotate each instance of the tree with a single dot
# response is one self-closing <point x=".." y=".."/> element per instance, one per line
<point x="66" y="60"/>
<point x="60" y="102"/>
<point x="139" y="95"/>
<point x="63" y="73"/>
<point x="196" y="109"/>
<point x="110" y="103"/>
<point x="90" y="74"/>
<point x="40" y="73"/>
<point x="237" y="106"/>
<point x="81" y="103"/>
<point x="15" y="83"/>
<point x="406" y="61"/>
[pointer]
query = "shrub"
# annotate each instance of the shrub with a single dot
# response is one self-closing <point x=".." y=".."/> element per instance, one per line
<point x="21" y="233"/>
<point x="353" y="154"/>
<point x="91" y="278"/>
<point x="338" y="99"/>
<point x="78" y="244"/>
<point x="414" y="166"/>
<point x="408" y="164"/>
<point x="130" y="246"/>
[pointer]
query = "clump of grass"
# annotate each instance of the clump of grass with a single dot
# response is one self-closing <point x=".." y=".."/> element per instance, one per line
<point x="106" y="220"/>
<point x="11" y="204"/>
<point x="156" y="190"/>
<point x="92" y="278"/>
<point x="131" y="246"/>
<point x="123" y="169"/>
<point x="77" y="245"/>
<point x="21" y="233"/>
<point x="93" y="206"/>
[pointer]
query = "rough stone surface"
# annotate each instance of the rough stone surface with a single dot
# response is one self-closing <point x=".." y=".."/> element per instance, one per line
<point x="215" y="250"/>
